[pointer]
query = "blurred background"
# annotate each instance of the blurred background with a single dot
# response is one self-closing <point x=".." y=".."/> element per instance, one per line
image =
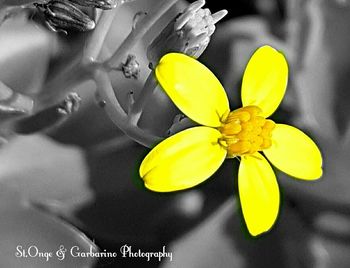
<point x="78" y="183"/>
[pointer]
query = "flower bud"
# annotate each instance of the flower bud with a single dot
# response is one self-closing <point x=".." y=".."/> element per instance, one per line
<point x="188" y="33"/>
<point x="61" y="16"/>
<point x="51" y="116"/>
<point x="131" y="68"/>
<point x="102" y="4"/>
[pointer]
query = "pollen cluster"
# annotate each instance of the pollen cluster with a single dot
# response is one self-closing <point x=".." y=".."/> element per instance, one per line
<point x="245" y="132"/>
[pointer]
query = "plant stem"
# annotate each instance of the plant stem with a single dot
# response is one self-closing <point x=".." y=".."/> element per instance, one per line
<point x="95" y="43"/>
<point x="145" y="94"/>
<point x="104" y="87"/>
<point x="80" y="70"/>
<point x="141" y="29"/>
<point x="58" y="87"/>
<point x="117" y="114"/>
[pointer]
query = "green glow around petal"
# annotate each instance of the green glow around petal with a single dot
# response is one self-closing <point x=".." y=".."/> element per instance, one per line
<point x="183" y="160"/>
<point x="193" y="88"/>
<point x="265" y="80"/>
<point x="258" y="193"/>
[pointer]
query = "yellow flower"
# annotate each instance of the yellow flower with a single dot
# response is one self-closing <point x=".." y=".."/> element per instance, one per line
<point x="193" y="155"/>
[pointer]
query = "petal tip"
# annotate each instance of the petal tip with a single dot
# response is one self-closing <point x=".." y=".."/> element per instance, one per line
<point x="259" y="194"/>
<point x="265" y="79"/>
<point x="317" y="175"/>
<point x="257" y="233"/>
<point x="260" y="229"/>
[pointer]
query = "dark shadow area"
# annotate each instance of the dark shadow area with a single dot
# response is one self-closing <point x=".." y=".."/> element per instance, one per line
<point x="124" y="212"/>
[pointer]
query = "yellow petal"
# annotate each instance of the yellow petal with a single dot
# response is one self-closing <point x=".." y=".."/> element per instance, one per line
<point x="265" y="80"/>
<point x="193" y="88"/>
<point x="294" y="153"/>
<point x="183" y="160"/>
<point x="258" y="192"/>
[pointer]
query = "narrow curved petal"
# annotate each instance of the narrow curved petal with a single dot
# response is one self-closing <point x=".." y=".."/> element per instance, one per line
<point x="258" y="193"/>
<point x="183" y="160"/>
<point x="294" y="153"/>
<point x="193" y="88"/>
<point x="265" y="80"/>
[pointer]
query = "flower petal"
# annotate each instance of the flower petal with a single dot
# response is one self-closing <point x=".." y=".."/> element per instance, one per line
<point x="265" y="80"/>
<point x="294" y="153"/>
<point x="183" y="160"/>
<point x="258" y="193"/>
<point x="193" y="88"/>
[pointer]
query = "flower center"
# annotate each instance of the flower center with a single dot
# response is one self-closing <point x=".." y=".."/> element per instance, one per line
<point x="245" y="132"/>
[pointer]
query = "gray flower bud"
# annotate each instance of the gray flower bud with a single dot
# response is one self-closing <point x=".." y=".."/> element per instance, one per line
<point x="102" y="4"/>
<point x="188" y="33"/>
<point x="131" y="68"/>
<point x="61" y="16"/>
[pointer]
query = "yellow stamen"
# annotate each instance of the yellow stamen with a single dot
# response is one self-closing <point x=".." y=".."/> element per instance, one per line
<point x="247" y="126"/>
<point x="240" y="146"/>
<point x="231" y="128"/>
<point x="245" y="132"/>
